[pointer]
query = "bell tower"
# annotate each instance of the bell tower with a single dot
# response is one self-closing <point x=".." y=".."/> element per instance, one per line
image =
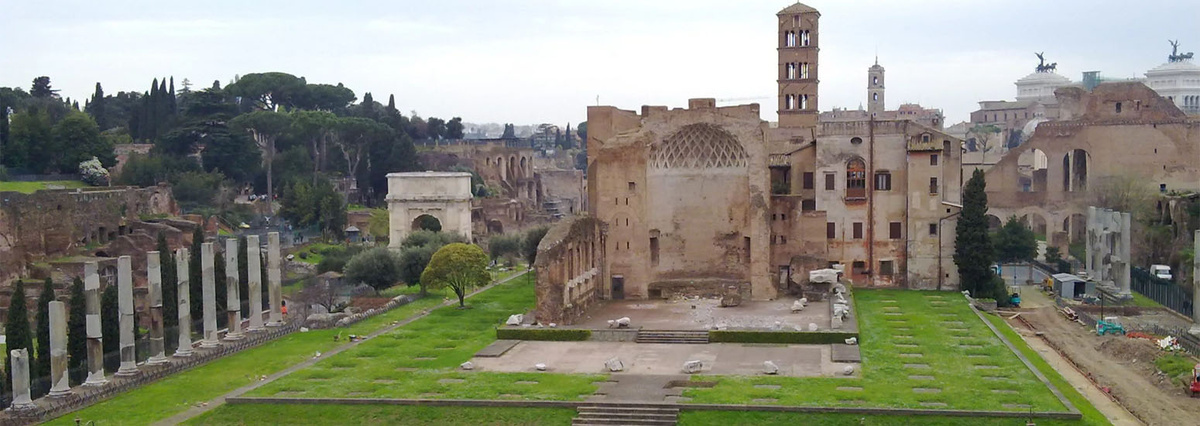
<point x="798" y="80"/>
<point x="875" y="105"/>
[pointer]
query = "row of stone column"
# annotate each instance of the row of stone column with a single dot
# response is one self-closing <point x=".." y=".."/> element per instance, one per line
<point x="60" y="386"/>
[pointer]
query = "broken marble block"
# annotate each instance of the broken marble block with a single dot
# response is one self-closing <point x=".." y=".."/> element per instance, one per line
<point x="797" y="306"/>
<point x="467" y="365"/>
<point x="540" y="367"/>
<point x="770" y="368"/>
<point x="812" y="326"/>
<point x="692" y="367"/>
<point x="823" y="276"/>
<point x="614" y="364"/>
<point x="849" y="370"/>
<point x="623" y="322"/>
<point x="852" y="341"/>
<point x="515" y="319"/>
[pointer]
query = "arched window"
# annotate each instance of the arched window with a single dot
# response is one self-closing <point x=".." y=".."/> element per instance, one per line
<point x="856" y="179"/>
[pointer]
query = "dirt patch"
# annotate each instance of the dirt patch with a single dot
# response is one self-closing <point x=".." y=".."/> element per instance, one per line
<point x="366" y="303"/>
<point x="1123" y="366"/>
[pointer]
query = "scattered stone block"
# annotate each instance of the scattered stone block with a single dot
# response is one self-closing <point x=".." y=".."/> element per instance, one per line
<point x="797" y="306"/>
<point x="921" y="366"/>
<point x="919" y="377"/>
<point x="848" y="370"/>
<point x="525" y="382"/>
<point x="467" y="365"/>
<point x="986" y="367"/>
<point x="770" y="368"/>
<point x="1004" y="391"/>
<point x="515" y="319"/>
<point x="540" y="366"/>
<point x="812" y="326"/>
<point x="927" y="390"/>
<point x="852" y="341"/>
<point x="770" y="387"/>
<point x="614" y="364"/>
<point x="849" y="388"/>
<point x="692" y="367"/>
<point x="912" y="355"/>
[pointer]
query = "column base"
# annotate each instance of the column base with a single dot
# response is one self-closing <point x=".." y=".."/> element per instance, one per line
<point x="253" y="328"/>
<point x="96" y="380"/>
<point x="59" y="393"/>
<point x="157" y="360"/>
<point x="234" y="336"/>
<point x="22" y="406"/>
<point x="209" y="344"/>
<point x="128" y="370"/>
<point x="184" y="353"/>
<point x="1195" y="330"/>
<point x="275" y="324"/>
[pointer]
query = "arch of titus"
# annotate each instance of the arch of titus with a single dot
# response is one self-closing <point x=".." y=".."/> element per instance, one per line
<point x="444" y="196"/>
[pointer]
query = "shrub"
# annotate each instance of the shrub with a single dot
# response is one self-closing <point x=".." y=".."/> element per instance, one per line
<point x="544" y="334"/>
<point x="378" y="267"/>
<point x="93" y="173"/>
<point x="507" y="246"/>
<point x="784" y="337"/>
<point x="533" y="237"/>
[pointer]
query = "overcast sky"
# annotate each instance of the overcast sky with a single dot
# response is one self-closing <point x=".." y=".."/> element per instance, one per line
<point x="531" y="61"/>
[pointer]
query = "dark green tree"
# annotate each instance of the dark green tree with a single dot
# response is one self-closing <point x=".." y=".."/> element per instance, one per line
<point x="41" y="366"/>
<point x="973" y="252"/>
<point x="110" y="328"/>
<point x="267" y="91"/>
<point x="459" y="267"/>
<point x="436" y="128"/>
<point x="510" y="132"/>
<point x="1014" y="242"/>
<point x="264" y="127"/>
<point x="529" y="244"/>
<point x="454" y="128"/>
<point x="77" y="334"/>
<point x="195" y="274"/>
<point x="16" y="330"/>
<point x="41" y="88"/>
<point x="378" y="267"/>
<point x="96" y="108"/>
<point x="77" y="139"/>
<point x="30" y="144"/>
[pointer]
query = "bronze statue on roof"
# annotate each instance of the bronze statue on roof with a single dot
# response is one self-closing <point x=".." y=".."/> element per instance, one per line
<point x="1175" y="55"/>
<point x="1042" y="67"/>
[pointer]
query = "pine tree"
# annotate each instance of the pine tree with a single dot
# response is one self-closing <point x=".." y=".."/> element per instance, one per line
<point x="170" y="290"/>
<point x="77" y="334"/>
<point x="973" y="252"/>
<point x="195" y="290"/>
<point x="16" y="330"/>
<point x="41" y="367"/>
<point x="110" y="328"/>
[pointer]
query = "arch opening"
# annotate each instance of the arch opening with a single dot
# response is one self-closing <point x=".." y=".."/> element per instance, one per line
<point x="1032" y="166"/>
<point x="427" y="222"/>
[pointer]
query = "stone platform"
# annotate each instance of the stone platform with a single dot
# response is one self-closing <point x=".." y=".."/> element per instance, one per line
<point x="704" y="314"/>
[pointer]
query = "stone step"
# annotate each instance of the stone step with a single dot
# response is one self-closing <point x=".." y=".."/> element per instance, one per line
<point x="599" y="421"/>
<point x="652" y="411"/>
<point x="636" y="416"/>
<point x="672" y="336"/>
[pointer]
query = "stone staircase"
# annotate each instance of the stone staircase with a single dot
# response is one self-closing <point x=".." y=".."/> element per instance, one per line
<point x="626" y="414"/>
<point x="672" y="336"/>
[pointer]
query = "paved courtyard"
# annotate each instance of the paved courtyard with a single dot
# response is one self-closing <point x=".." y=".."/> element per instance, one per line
<point x="704" y="314"/>
<point x="661" y="359"/>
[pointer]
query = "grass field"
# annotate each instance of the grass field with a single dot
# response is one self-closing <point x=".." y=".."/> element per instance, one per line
<point x="919" y="350"/>
<point x="31" y="187"/>
<point x="177" y="393"/>
<point x="264" y="414"/>
<point x="421" y="359"/>
<point x="760" y="418"/>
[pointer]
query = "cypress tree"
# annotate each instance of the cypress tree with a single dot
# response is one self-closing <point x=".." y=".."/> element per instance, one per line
<point x="195" y="292"/>
<point x="391" y="102"/>
<point x="16" y="330"/>
<point x="150" y="106"/>
<point x="973" y="253"/>
<point x="110" y="329"/>
<point x="96" y="106"/>
<point x="162" y="107"/>
<point x="172" y="100"/>
<point x="243" y="271"/>
<point x="77" y="334"/>
<point x="170" y="290"/>
<point x="41" y="369"/>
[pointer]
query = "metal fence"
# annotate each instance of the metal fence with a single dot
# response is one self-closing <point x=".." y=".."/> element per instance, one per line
<point x="1162" y="291"/>
<point x="83" y="396"/>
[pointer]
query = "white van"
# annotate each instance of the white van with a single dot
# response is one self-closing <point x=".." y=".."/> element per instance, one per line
<point x="1161" y="271"/>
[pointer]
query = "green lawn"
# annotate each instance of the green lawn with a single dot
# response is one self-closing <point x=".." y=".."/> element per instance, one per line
<point x="1142" y="301"/>
<point x="177" y="393"/>
<point x="421" y="359"/>
<point x="919" y="350"/>
<point x="761" y="418"/>
<point x="265" y="414"/>
<point x="31" y="187"/>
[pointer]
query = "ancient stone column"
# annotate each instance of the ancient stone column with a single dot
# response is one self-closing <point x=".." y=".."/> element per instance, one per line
<point x="254" y="281"/>
<point x="95" y="341"/>
<point x="158" y="347"/>
<point x="209" y="292"/>
<point x="185" y="313"/>
<point x="20" y="380"/>
<point x="59" y="384"/>
<point x="1195" y="331"/>
<point x="274" y="280"/>
<point x="233" y="302"/>
<point x="125" y="307"/>
<point x="1123" y="274"/>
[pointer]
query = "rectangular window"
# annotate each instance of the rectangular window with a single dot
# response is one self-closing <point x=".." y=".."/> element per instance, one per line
<point x="808" y="180"/>
<point x="830" y="178"/>
<point x="933" y="229"/>
<point x="933" y="186"/>
<point x="894" y="230"/>
<point x="654" y="251"/>
<point x="830" y="230"/>
<point x="887" y="267"/>
<point x="632" y="186"/>
<point x="858" y="267"/>
<point x="858" y="230"/>
<point x="883" y="181"/>
<point x="782" y="239"/>
<point x="808" y="205"/>
<point x="933" y="160"/>
<point x="746" y="249"/>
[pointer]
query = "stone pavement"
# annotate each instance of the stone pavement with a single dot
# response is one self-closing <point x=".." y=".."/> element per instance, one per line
<point x="639" y="388"/>
<point x="205" y="407"/>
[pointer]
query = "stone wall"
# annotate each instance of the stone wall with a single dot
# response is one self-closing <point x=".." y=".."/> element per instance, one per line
<point x="570" y="269"/>
<point x="55" y="223"/>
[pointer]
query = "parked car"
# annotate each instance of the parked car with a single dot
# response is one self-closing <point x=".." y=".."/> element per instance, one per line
<point x="1161" y="271"/>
